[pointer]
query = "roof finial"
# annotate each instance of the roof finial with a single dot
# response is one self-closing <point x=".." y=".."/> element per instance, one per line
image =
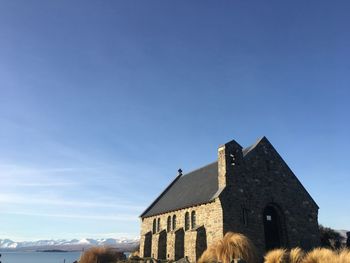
<point x="180" y="171"/>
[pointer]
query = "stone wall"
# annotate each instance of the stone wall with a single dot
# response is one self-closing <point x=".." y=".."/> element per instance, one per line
<point x="251" y="183"/>
<point x="260" y="179"/>
<point x="209" y="220"/>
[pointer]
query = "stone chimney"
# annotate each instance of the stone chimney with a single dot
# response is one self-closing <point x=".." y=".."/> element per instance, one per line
<point x="230" y="159"/>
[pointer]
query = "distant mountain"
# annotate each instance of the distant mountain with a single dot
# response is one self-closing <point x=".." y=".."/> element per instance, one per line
<point x="122" y="244"/>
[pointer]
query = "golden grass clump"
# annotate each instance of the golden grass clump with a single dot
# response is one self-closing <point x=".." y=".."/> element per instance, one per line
<point x="321" y="255"/>
<point x="134" y="254"/>
<point x="295" y="255"/>
<point x="232" y="246"/>
<point x="344" y="256"/>
<point x="100" y="255"/>
<point x="209" y="255"/>
<point x="276" y="256"/>
<point x="236" y="246"/>
<point x="317" y="255"/>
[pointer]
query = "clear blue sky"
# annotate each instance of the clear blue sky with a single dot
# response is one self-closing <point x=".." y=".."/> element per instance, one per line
<point x="102" y="101"/>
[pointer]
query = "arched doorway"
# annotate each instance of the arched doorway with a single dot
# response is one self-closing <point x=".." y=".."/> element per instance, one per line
<point x="273" y="227"/>
<point x="162" y="243"/>
<point x="147" y="247"/>
<point x="201" y="241"/>
<point x="179" y="244"/>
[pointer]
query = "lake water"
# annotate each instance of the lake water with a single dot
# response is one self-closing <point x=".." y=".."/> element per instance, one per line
<point x="39" y="257"/>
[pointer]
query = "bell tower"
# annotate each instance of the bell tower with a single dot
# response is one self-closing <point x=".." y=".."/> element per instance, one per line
<point x="230" y="160"/>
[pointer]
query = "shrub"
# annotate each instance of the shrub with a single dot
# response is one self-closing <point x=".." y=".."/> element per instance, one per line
<point x="101" y="255"/>
<point x="330" y="238"/>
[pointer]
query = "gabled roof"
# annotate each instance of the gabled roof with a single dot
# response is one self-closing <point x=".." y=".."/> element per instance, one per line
<point x="197" y="187"/>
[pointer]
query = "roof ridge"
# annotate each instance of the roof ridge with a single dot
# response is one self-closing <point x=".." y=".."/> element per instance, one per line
<point x="251" y="147"/>
<point x="195" y="170"/>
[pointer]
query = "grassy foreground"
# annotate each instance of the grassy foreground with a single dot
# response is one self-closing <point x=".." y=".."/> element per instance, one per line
<point x="232" y="247"/>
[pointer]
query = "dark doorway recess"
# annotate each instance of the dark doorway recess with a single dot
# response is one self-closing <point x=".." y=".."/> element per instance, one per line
<point x="201" y="242"/>
<point x="162" y="245"/>
<point x="147" y="249"/>
<point x="179" y="244"/>
<point x="273" y="227"/>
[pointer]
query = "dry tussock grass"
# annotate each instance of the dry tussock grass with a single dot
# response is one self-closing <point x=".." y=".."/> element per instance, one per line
<point x="134" y="254"/>
<point x="320" y="255"/>
<point x="295" y="255"/>
<point x="276" y="256"/>
<point x="100" y="255"/>
<point x="344" y="256"/>
<point x="232" y="246"/>
<point x="317" y="255"/>
<point x="209" y="255"/>
<point x="237" y="246"/>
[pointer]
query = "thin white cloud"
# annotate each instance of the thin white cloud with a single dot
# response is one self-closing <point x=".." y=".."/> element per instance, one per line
<point x="16" y="174"/>
<point x="118" y="217"/>
<point x="22" y="176"/>
<point x="42" y="184"/>
<point x="16" y="169"/>
<point x="28" y="200"/>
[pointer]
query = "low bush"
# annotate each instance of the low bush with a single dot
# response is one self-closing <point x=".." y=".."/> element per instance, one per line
<point x="101" y="255"/>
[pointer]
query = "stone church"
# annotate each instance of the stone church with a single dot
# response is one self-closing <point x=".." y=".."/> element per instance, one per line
<point x="250" y="191"/>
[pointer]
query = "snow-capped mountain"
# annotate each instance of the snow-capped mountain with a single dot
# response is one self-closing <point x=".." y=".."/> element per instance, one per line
<point x="74" y="244"/>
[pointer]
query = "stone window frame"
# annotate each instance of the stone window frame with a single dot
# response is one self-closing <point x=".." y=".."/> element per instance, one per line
<point x="193" y="219"/>
<point x="158" y="225"/>
<point x="154" y="227"/>
<point x="168" y="226"/>
<point x="187" y="221"/>
<point x="174" y="222"/>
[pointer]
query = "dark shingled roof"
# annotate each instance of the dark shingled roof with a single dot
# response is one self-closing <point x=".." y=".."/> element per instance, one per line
<point x="194" y="188"/>
<point x="197" y="187"/>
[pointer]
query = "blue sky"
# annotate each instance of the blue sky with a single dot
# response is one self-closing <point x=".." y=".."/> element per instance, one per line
<point x="102" y="101"/>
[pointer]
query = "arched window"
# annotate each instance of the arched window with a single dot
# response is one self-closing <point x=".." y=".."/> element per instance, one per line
<point x="158" y="225"/>
<point x="193" y="219"/>
<point x="187" y="221"/>
<point x="174" y="222"/>
<point x="168" y="224"/>
<point x="154" y="226"/>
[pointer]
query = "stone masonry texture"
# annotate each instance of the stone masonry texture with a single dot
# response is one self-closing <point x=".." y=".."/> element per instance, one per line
<point x="251" y="180"/>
